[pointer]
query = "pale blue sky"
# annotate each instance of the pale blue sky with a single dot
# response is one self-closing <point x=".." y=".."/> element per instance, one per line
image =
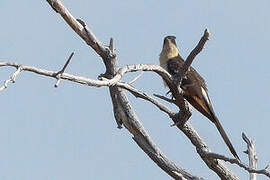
<point x="70" y="133"/>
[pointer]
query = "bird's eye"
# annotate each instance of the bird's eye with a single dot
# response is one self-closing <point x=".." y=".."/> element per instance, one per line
<point x="165" y="41"/>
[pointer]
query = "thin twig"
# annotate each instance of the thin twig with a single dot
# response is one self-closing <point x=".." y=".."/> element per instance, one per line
<point x="147" y="97"/>
<point x="170" y="100"/>
<point x="66" y="64"/>
<point x="137" y="77"/>
<point x="12" y="78"/>
<point x="59" y="74"/>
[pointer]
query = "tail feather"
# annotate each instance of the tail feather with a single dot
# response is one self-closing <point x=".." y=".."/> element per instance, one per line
<point x="221" y="131"/>
<point x="225" y="138"/>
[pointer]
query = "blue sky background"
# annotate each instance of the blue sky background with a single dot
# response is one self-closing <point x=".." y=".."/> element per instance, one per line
<point x="69" y="132"/>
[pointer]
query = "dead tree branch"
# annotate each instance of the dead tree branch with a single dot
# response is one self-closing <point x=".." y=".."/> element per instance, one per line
<point x="202" y="148"/>
<point x="123" y="110"/>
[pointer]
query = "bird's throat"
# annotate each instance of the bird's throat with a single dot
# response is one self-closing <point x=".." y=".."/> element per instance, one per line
<point x="166" y="54"/>
<point x="169" y="51"/>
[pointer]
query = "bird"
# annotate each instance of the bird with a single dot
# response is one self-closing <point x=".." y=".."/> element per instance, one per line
<point x="193" y="86"/>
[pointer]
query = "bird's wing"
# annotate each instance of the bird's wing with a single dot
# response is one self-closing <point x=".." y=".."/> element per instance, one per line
<point x="174" y="65"/>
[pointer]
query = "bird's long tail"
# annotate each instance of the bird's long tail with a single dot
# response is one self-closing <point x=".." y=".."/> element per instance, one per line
<point x="221" y="131"/>
<point x="225" y="138"/>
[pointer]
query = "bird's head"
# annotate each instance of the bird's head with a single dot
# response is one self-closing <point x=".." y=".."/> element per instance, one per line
<point x="169" y="49"/>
